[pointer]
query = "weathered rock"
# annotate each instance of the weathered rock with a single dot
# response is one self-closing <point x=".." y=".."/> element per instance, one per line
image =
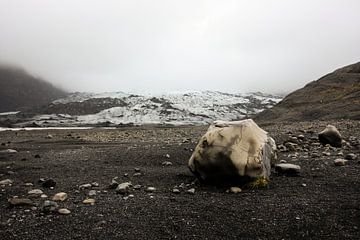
<point x="351" y="156"/>
<point x="235" y="190"/>
<point x="113" y="184"/>
<point x="176" y="191"/>
<point x="89" y="201"/>
<point x="8" y="151"/>
<point x="123" y="188"/>
<point x="330" y="135"/>
<point x="20" y="202"/>
<point x="137" y="187"/>
<point x="231" y="150"/>
<point x="64" y="211"/>
<point x="150" y="189"/>
<point x="166" y="163"/>
<point x="92" y="193"/>
<point x="61" y="196"/>
<point x="48" y="183"/>
<point x="35" y="192"/>
<point x="340" y="162"/>
<point x="287" y="168"/>
<point x="6" y="182"/>
<point x="85" y="186"/>
<point x="191" y="191"/>
<point x="49" y="206"/>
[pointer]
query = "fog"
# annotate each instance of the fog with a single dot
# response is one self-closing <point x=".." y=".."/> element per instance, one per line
<point x="157" y="46"/>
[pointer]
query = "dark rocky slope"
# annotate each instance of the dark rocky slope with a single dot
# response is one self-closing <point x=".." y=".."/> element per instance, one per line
<point x="19" y="90"/>
<point x="334" y="96"/>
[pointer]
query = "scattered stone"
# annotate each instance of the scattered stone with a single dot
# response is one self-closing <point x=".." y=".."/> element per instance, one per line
<point x="8" y="151"/>
<point x="64" y="211"/>
<point x="315" y="155"/>
<point x="330" y="135"/>
<point x="340" y="154"/>
<point x="85" y="186"/>
<point x="28" y="184"/>
<point x="150" y="189"/>
<point x="137" y="169"/>
<point x="167" y="155"/>
<point x="137" y="187"/>
<point x="282" y="161"/>
<point x="351" y="156"/>
<point x="61" y="196"/>
<point x="137" y="174"/>
<point x="131" y="195"/>
<point x="49" y="206"/>
<point x="37" y="156"/>
<point x="95" y="184"/>
<point x="301" y="137"/>
<point x="126" y="174"/>
<point x="235" y="190"/>
<point x="20" y="202"/>
<point x="287" y="168"/>
<point x="92" y="193"/>
<point x="89" y="201"/>
<point x="166" y="163"/>
<point x="123" y="188"/>
<point x="43" y="196"/>
<point x="6" y="182"/>
<point x="326" y="153"/>
<point x="113" y="184"/>
<point x="191" y="191"/>
<point x="49" y="183"/>
<point x="49" y="136"/>
<point x="340" y="162"/>
<point x="176" y="191"/>
<point x="304" y="184"/>
<point x="35" y="192"/>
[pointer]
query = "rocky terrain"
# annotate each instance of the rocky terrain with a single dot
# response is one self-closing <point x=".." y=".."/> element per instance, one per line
<point x="334" y="96"/>
<point x="75" y="184"/>
<point x="20" y="90"/>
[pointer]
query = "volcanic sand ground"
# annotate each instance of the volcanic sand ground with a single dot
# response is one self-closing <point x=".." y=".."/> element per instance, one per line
<point x="328" y="207"/>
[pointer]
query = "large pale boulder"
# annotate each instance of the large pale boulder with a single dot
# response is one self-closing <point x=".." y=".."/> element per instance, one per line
<point x="233" y="150"/>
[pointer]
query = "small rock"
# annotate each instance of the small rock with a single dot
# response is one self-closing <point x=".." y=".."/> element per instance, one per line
<point x="49" y="183"/>
<point x="131" y="195"/>
<point x="304" y="184"/>
<point x="61" y="196"/>
<point x="92" y="193"/>
<point x="95" y="184"/>
<point x="28" y="184"/>
<point x="35" y="192"/>
<point x="49" y="206"/>
<point x="330" y="135"/>
<point x="340" y="162"/>
<point x="137" y="174"/>
<point x="43" y="196"/>
<point x="301" y="137"/>
<point x="176" y="191"/>
<point x="126" y="174"/>
<point x="167" y="155"/>
<point x="37" y="156"/>
<point x="6" y="182"/>
<point x="85" y="186"/>
<point x="137" y="169"/>
<point x="326" y="153"/>
<point x="282" y="161"/>
<point x="150" y="189"/>
<point x="8" y="151"/>
<point x="166" y="163"/>
<point x="235" y="190"/>
<point x="49" y="136"/>
<point x="113" y="184"/>
<point x="90" y="201"/>
<point x="137" y="187"/>
<point x="20" y="202"/>
<point x="287" y="168"/>
<point x="123" y="188"/>
<point x="351" y="156"/>
<point x="191" y="191"/>
<point x="64" y="211"/>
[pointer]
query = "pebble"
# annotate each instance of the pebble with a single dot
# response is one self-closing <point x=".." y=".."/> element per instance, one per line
<point x="350" y="156"/>
<point x="48" y="183"/>
<point x="43" y="196"/>
<point x="287" y="168"/>
<point x="92" y="193"/>
<point x="340" y="162"/>
<point x="167" y="155"/>
<point x="113" y="184"/>
<point x="304" y="184"/>
<point x="20" y="201"/>
<point x="176" y="191"/>
<point x="64" y="211"/>
<point x="166" y="163"/>
<point x="150" y="189"/>
<point x="137" y="169"/>
<point x="8" y="151"/>
<point x="191" y="191"/>
<point x="28" y="184"/>
<point x="35" y="192"/>
<point x="90" y="201"/>
<point x="61" y="196"/>
<point x="137" y="187"/>
<point x="95" y="184"/>
<point x="49" y="206"/>
<point x="85" y="186"/>
<point x="37" y="156"/>
<point x="137" y="174"/>
<point x="123" y="188"/>
<point x="235" y="190"/>
<point x="6" y="182"/>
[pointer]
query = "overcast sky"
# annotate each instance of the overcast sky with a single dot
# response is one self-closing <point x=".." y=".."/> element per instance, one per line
<point x="166" y="45"/>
